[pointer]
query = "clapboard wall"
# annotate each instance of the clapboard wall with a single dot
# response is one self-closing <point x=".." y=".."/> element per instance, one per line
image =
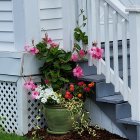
<point x="50" y="14"/>
<point x="6" y="25"/>
<point x="51" y="19"/>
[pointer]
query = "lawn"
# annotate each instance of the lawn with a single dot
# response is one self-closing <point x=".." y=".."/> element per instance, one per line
<point x="5" y="136"/>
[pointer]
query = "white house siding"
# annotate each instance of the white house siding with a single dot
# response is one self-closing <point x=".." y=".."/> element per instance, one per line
<point x="6" y="25"/>
<point x="51" y="19"/>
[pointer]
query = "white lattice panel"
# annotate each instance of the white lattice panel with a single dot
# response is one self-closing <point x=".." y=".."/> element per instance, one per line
<point x="34" y="110"/>
<point x="9" y="109"/>
<point x="8" y="106"/>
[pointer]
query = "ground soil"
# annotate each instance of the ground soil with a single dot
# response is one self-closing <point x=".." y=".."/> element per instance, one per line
<point x="101" y="134"/>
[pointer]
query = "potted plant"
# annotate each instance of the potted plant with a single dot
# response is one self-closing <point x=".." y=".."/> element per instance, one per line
<point x="60" y="91"/>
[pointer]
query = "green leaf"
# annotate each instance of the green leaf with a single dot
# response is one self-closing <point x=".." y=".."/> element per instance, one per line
<point x="61" y="55"/>
<point x="66" y="58"/>
<point x="84" y="18"/>
<point x="56" y="64"/>
<point x="82" y="11"/>
<point x="77" y="37"/>
<point x="85" y="40"/>
<point x="66" y="67"/>
<point x="78" y="30"/>
<point x="77" y="46"/>
<point x="64" y="80"/>
<point x="49" y="59"/>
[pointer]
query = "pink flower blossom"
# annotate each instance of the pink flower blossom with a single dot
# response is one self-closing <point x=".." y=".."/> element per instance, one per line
<point x="34" y="50"/>
<point x="96" y="52"/>
<point x="78" y="72"/>
<point x="34" y="94"/>
<point x="47" y="40"/>
<point x="99" y="53"/>
<point x="54" y="45"/>
<point x="92" y="51"/>
<point x="74" y="57"/>
<point x="29" y="85"/>
<point x="82" y="53"/>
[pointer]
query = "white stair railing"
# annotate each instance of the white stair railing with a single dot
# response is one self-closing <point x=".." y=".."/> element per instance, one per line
<point x="119" y="19"/>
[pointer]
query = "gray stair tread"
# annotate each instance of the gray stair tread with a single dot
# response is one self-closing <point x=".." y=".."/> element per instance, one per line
<point x="95" y="78"/>
<point x="114" y="99"/>
<point x="128" y="121"/>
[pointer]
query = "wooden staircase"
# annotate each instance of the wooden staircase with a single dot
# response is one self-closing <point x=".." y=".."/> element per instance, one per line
<point x="110" y="102"/>
<point x="117" y="75"/>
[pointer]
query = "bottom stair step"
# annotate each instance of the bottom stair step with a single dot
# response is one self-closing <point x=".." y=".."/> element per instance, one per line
<point x="114" y="99"/>
<point x="128" y="121"/>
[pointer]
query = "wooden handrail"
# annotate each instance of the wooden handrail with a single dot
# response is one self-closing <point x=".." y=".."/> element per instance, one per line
<point x="119" y="7"/>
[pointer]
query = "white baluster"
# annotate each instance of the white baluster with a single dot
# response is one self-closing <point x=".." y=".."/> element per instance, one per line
<point x="107" y="50"/>
<point x="115" y="51"/>
<point x="91" y="25"/>
<point x="125" y="64"/>
<point x="98" y="32"/>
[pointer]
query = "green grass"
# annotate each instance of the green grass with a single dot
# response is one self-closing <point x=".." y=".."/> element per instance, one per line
<point x="5" y="136"/>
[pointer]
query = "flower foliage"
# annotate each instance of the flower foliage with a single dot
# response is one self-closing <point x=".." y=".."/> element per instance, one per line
<point x="80" y="90"/>
<point x="58" y="68"/>
<point x="80" y="49"/>
<point x="58" y="71"/>
<point x="59" y="75"/>
<point x="47" y="95"/>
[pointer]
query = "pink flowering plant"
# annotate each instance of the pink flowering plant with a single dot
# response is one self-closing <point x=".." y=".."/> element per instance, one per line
<point x="59" y="80"/>
<point x="80" y="49"/>
<point x="80" y="40"/>
<point x="57" y="71"/>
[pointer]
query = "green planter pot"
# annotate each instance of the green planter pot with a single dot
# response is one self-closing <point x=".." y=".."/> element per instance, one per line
<point x="58" y="119"/>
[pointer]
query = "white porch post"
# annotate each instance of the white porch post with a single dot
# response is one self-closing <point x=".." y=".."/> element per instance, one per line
<point x="134" y="29"/>
<point x="69" y="22"/>
<point x="26" y="22"/>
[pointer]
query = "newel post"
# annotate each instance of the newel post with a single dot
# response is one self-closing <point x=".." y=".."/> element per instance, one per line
<point x="134" y="30"/>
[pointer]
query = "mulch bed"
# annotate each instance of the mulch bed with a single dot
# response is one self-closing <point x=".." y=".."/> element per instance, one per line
<point x="101" y="134"/>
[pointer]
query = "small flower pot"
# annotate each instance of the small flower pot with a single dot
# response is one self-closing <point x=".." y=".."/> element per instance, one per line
<point x="58" y="119"/>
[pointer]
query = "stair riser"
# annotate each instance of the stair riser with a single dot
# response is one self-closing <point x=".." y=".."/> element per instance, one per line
<point x="104" y="89"/>
<point x="88" y="70"/>
<point x="123" y="110"/>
